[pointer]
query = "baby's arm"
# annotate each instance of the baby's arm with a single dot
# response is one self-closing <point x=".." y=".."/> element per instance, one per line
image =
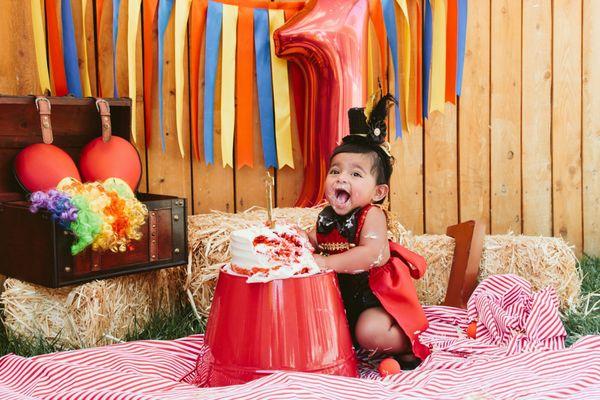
<point x="372" y="250"/>
<point x="310" y="235"/>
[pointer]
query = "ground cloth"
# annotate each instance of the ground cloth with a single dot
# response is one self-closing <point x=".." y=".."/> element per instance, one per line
<point x="519" y="353"/>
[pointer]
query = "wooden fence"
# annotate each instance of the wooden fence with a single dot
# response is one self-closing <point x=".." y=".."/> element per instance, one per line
<point x="520" y="151"/>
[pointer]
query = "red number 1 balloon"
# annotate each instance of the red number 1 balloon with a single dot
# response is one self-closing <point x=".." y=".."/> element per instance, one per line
<point x="327" y="40"/>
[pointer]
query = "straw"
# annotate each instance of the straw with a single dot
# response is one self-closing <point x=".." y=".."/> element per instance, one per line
<point x="92" y="314"/>
<point x="543" y="261"/>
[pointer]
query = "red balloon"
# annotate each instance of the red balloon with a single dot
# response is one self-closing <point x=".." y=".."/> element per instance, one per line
<point x="116" y="158"/>
<point x="389" y="366"/>
<point x="472" y="330"/>
<point x="295" y="324"/>
<point x="42" y="166"/>
<point x="327" y="39"/>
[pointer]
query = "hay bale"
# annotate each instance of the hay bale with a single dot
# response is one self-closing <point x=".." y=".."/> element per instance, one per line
<point x="92" y="314"/>
<point x="542" y="261"/>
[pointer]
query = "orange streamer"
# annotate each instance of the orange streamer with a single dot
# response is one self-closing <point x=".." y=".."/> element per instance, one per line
<point x="244" y="87"/>
<point x="376" y="14"/>
<point x="197" y="24"/>
<point x="149" y="15"/>
<point x="57" y="66"/>
<point x="416" y="81"/>
<point x="451" y="43"/>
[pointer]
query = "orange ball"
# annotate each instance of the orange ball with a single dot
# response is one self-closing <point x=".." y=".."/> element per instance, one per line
<point x="389" y="366"/>
<point x="472" y="330"/>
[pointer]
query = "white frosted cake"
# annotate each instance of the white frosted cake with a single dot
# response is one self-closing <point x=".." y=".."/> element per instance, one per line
<point x="264" y="254"/>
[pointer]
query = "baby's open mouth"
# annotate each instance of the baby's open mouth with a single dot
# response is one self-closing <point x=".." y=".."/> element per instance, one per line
<point x="342" y="196"/>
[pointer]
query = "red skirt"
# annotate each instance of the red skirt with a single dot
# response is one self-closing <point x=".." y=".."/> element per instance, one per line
<point x="392" y="284"/>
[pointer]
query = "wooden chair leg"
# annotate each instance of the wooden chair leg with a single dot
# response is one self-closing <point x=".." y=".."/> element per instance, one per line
<point x="465" y="265"/>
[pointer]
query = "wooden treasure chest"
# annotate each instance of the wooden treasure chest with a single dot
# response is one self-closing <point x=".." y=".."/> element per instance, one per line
<point x="34" y="247"/>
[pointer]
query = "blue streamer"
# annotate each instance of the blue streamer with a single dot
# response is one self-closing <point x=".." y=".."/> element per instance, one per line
<point x="462" y="37"/>
<point x="427" y="45"/>
<point x="264" y="86"/>
<point x="116" y="6"/>
<point x="70" y="49"/>
<point x="389" y="17"/>
<point x="164" y="13"/>
<point x="214" y="21"/>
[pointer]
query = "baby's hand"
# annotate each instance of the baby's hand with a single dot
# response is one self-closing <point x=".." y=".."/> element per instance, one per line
<point x="301" y="232"/>
<point x="321" y="261"/>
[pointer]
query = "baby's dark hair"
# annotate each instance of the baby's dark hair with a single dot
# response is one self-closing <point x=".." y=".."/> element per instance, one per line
<point x="382" y="166"/>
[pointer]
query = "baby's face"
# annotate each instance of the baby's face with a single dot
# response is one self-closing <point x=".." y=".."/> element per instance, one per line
<point x="350" y="182"/>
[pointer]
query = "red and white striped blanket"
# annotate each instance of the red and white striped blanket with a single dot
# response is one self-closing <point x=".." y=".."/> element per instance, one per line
<point x="519" y="353"/>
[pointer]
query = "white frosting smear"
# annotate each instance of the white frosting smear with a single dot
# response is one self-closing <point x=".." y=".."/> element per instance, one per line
<point x="265" y="254"/>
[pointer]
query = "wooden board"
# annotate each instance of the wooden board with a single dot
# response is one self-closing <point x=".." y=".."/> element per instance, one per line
<point x="18" y="68"/>
<point x="474" y="119"/>
<point x="406" y="183"/>
<point x="139" y="99"/>
<point x="441" y="180"/>
<point x="591" y="128"/>
<point x="213" y="184"/>
<point x="249" y="181"/>
<point x="288" y="181"/>
<point x="505" y="116"/>
<point x="566" y="122"/>
<point x="169" y="172"/>
<point x="88" y="42"/>
<point x="537" y="117"/>
<point x="105" y="49"/>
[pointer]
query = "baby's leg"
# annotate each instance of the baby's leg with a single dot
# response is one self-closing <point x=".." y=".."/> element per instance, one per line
<point x="376" y="330"/>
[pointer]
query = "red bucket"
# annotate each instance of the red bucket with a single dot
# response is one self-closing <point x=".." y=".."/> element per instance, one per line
<point x="295" y="324"/>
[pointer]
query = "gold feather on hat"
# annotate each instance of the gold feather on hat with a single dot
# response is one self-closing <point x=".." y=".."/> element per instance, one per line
<point x="369" y="106"/>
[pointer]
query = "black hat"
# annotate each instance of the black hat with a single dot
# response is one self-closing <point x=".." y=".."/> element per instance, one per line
<point x="358" y="121"/>
<point x="367" y="124"/>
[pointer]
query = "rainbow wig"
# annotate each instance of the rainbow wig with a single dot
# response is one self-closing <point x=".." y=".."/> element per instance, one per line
<point x="105" y="215"/>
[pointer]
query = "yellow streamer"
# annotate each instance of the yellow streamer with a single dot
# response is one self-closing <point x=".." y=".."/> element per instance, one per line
<point x="404" y="38"/>
<point x="373" y="66"/>
<point x="39" y="38"/>
<point x="230" y="14"/>
<point x="133" y="17"/>
<point x="281" y="97"/>
<point x="182" y="11"/>
<point x="438" y="56"/>
<point x="85" y="83"/>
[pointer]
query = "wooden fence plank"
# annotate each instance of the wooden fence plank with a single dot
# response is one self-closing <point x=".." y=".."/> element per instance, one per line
<point x="88" y="41"/>
<point x="441" y="180"/>
<point x="474" y="118"/>
<point x="537" y="117"/>
<point x="122" y="77"/>
<point x="288" y="181"/>
<point x="566" y="122"/>
<point x="105" y="49"/>
<point x="18" y="68"/>
<point x="505" y="116"/>
<point x="249" y="182"/>
<point x="566" y="127"/>
<point x="168" y="172"/>
<point x="406" y="184"/>
<point x="591" y="128"/>
<point x="139" y="99"/>
<point x="213" y="184"/>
